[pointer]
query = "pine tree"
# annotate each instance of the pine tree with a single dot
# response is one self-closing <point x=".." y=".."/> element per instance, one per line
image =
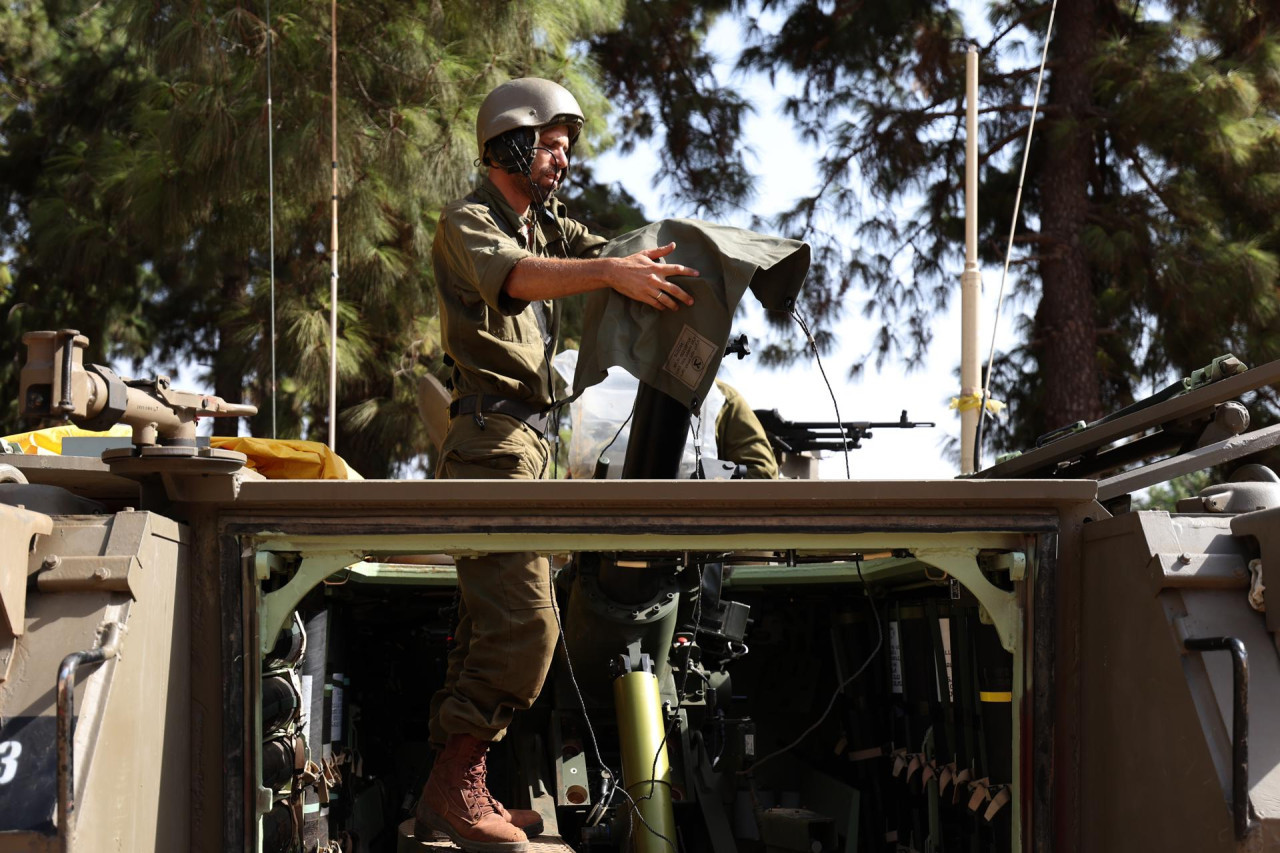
<point x="1147" y="241"/>
<point x="174" y="175"/>
<point x="657" y="70"/>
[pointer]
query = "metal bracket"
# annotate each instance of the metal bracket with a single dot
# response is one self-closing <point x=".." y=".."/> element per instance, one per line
<point x="962" y="564"/>
<point x="17" y="528"/>
<point x="266" y="562"/>
<point x="1261" y="525"/>
<point x="276" y="607"/>
<point x="90" y="573"/>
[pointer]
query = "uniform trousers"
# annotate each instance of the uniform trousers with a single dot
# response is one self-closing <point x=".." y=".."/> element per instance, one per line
<point x="507" y="628"/>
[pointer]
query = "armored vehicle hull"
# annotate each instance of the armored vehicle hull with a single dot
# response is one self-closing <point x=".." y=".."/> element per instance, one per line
<point x="976" y="665"/>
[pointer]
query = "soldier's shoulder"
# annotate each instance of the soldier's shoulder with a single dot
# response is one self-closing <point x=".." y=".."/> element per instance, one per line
<point x="468" y="205"/>
<point x="466" y="214"/>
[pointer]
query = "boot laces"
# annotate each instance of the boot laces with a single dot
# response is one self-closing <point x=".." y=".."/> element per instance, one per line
<point x="477" y="779"/>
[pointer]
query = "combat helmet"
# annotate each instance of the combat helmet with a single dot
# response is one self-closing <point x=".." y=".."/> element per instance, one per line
<point x="513" y="113"/>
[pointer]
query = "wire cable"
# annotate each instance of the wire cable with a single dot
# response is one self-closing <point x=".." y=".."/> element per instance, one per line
<point x="840" y="688"/>
<point x="616" y="787"/>
<point x="1013" y="227"/>
<point x="536" y="237"/>
<point x="696" y="434"/>
<point x="844" y="437"/>
<point x="605" y="449"/>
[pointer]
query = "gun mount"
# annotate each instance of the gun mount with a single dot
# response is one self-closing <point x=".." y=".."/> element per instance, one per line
<point x="57" y="385"/>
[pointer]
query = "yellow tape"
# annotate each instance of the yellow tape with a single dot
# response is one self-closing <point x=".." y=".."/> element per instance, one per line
<point x="994" y="696"/>
<point x="973" y="401"/>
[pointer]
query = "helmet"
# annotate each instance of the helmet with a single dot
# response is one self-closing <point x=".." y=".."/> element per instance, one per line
<point x="529" y="104"/>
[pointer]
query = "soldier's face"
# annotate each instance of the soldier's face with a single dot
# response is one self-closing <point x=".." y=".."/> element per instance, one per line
<point x="550" y="158"/>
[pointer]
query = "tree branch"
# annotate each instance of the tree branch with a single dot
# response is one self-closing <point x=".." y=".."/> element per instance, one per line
<point x="1173" y="208"/>
<point x="1013" y="25"/>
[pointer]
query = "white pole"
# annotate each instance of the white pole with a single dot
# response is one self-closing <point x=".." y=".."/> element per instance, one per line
<point x="333" y="242"/>
<point x="971" y="279"/>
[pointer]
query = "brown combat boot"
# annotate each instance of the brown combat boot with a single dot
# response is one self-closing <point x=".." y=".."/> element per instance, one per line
<point x="457" y="802"/>
<point x="527" y="821"/>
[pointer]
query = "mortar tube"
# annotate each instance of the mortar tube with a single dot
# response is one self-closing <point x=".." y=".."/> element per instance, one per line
<point x="659" y="429"/>
<point x="640" y="731"/>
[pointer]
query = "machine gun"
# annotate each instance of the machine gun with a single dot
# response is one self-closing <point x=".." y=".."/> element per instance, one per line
<point x="802" y="436"/>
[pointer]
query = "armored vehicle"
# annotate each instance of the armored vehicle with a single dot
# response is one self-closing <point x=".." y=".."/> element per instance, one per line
<point x="195" y="657"/>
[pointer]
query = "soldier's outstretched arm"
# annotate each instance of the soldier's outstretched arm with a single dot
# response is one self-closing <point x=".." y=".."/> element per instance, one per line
<point x="642" y="277"/>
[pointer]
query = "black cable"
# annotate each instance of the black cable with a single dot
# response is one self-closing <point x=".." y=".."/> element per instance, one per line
<point x="696" y="435"/>
<point x="844" y="438"/>
<point x="977" y="433"/>
<point x="573" y="679"/>
<point x="616" y="434"/>
<point x="535" y="236"/>
<point x="977" y="438"/>
<point x="537" y="195"/>
<point x="840" y="688"/>
<point x="524" y="162"/>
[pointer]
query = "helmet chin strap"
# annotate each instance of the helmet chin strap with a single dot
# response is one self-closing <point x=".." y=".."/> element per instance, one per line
<point x="525" y="164"/>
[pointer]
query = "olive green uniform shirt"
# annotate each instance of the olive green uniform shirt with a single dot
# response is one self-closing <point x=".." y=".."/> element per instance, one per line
<point x="740" y="437"/>
<point x="500" y="346"/>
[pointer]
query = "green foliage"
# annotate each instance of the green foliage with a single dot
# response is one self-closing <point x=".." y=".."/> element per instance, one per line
<point x="1165" y="496"/>
<point x="657" y="70"/>
<point x="1147" y="242"/>
<point x="133" y="205"/>
<point x="133" y="168"/>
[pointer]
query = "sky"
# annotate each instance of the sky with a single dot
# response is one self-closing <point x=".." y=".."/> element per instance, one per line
<point x="784" y="169"/>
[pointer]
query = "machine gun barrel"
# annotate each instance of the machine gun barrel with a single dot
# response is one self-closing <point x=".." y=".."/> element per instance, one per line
<point x="56" y="384"/>
<point x="800" y="436"/>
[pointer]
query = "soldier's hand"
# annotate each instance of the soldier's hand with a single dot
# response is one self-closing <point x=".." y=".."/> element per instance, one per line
<point x="643" y="277"/>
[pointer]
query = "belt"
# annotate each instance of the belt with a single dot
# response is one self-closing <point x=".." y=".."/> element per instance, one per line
<point x="479" y="405"/>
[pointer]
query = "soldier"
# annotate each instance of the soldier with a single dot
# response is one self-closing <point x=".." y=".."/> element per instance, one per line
<point x="741" y="438"/>
<point x="501" y="255"/>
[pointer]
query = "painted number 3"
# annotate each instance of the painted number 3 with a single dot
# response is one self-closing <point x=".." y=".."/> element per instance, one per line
<point x="9" y="752"/>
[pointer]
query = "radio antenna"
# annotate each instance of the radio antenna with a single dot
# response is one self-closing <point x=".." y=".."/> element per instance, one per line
<point x="333" y="236"/>
<point x="271" y="217"/>
<point x="1013" y="226"/>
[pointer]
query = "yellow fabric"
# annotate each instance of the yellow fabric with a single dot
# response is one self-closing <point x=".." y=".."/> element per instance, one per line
<point x="973" y="401"/>
<point x="286" y="459"/>
<point x="48" y="441"/>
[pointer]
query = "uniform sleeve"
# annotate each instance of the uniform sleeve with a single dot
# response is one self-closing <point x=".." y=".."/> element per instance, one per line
<point x="741" y="438"/>
<point x="582" y="243"/>
<point x="480" y="255"/>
